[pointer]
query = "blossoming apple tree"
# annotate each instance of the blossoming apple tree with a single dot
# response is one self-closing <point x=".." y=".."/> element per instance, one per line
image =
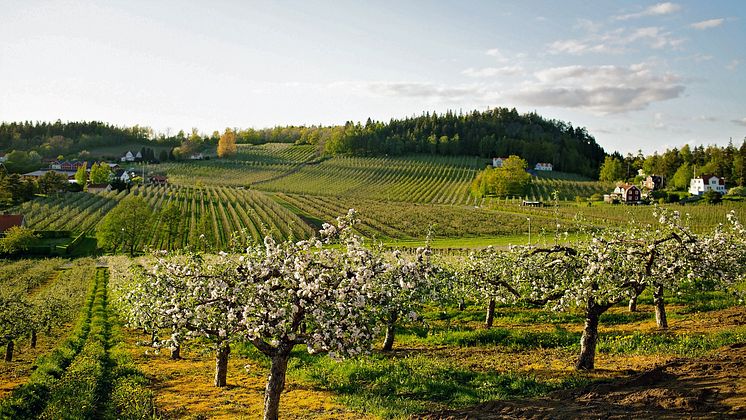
<point x="277" y="296"/>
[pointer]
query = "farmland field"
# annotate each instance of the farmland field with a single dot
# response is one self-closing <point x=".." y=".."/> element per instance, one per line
<point x="449" y="362"/>
<point x="443" y="362"/>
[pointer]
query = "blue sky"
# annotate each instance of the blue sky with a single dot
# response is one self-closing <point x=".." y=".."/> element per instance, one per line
<point x="638" y="75"/>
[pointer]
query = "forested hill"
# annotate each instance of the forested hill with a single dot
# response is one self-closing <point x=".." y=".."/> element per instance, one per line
<point x="492" y="133"/>
<point x="51" y="139"/>
<point x="495" y="132"/>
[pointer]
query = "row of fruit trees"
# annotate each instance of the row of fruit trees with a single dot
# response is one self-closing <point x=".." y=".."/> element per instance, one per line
<point x="334" y="294"/>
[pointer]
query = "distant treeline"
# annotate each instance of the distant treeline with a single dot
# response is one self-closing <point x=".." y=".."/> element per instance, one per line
<point x="58" y="138"/>
<point x="492" y="133"/>
<point x="678" y="166"/>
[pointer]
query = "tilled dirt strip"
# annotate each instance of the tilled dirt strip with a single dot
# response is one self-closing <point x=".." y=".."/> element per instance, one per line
<point x="713" y="387"/>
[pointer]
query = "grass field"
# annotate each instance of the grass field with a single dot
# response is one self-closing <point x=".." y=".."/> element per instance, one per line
<point x="449" y="361"/>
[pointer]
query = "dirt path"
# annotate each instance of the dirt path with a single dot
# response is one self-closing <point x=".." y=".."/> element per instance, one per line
<point x="712" y="387"/>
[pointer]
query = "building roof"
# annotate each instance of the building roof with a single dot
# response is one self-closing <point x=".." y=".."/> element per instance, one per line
<point x="43" y="171"/>
<point x="7" y="221"/>
<point x="721" y="180"/>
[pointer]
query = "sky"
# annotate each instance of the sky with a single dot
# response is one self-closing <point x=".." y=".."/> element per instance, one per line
<point x="638" y="74"/>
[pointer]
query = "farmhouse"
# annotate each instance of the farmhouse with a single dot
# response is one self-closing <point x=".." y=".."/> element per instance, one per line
<point x="8" y="221"/>
<point x="158" y="180"/>
<point x="66" y="165"/>
<point x="626" y="193"/>
<point x="543" y="167"/>
<point x="653" y="182"/>
<point x="197" y="156"/>
<point x="498" y="162"/>
<point x="128" y="157"/>
<point x="704" y="183"/>
<point x="124" y="175"/>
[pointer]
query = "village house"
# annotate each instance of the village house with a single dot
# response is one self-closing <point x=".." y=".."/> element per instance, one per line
<point x="626" y="193"/>
<point x="8" y="221"/>
<point x="128" y="157"/>
<point x="197" y="156"/>
<point x="653" y="182"/>
<point x="498" y="162"/>
<point x="124" y="175"/>
<point x="543" y="167"/>
<point x="704" y="183"/>
<point x="158" y="180"/>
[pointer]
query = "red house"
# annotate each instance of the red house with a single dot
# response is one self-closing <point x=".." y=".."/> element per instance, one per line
<point x="8" y="221"/>
<point x="631" y="194"/>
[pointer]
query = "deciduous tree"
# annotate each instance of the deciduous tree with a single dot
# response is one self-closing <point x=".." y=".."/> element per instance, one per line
<point x="227" y="143"/>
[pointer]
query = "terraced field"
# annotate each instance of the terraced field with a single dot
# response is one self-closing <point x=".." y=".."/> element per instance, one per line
<point x="217" y="212"/>
<point x="76" y="212"/>
<point x="276" y="153"/>
<point x="420" y="179"/>
<point x="208" y="214"/>
<point x="541" y="188"/>
<point x="402" y="220"/>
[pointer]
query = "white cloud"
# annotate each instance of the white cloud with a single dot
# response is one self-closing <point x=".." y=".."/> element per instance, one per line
<point x="495" y="52"/>
<point x="417" y="90"/>
<point x="617" y="41"/>
<point x="493" y="71"/>
<point x="707" y="24"/>
<point x="655" y="10"/>
<point x="600" y="89"/>
<point x="697" y="58"/>
<point x="588" y="25"/>
<point x="741" y="122"/>
<point x="733" y="64"/>
<point x="659" y="120"/>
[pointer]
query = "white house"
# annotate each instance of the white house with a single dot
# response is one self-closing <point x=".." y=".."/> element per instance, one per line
<point x="498" y="162"/>
<point x="704" y="183"/>
<point x="543" y="167"/>
<point x="3" y="157"/>
<point x="138" y="156"/>
<point x="128" y="157"/>
<point x="197" y="156"/>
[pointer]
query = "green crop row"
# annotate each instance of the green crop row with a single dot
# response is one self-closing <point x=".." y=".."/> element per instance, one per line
<point x="89" y="376"/>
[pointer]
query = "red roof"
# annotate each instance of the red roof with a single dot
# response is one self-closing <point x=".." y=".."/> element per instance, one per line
<point x="706" y="178"/>
<point x="7" y="221"/>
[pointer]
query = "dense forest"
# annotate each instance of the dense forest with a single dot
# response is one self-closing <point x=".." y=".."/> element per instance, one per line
<point x="52" y="139"/>
<point x="495" y="132"/>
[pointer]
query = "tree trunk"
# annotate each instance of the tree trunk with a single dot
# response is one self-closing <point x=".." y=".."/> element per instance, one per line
<point x="9" y="351"/>
<point x="660" y="307"/>
<point x="461" y="305"/>
<point x="33" y="339"/>
<point x="221" y="364"/>
<point x="388" y="342"/>
<point x="275" y="385"/>
<point x="588" y="341"/>
<point x="633" y="304"/>
<point x="490" y="314"/>
<point x="176" y="353"/>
